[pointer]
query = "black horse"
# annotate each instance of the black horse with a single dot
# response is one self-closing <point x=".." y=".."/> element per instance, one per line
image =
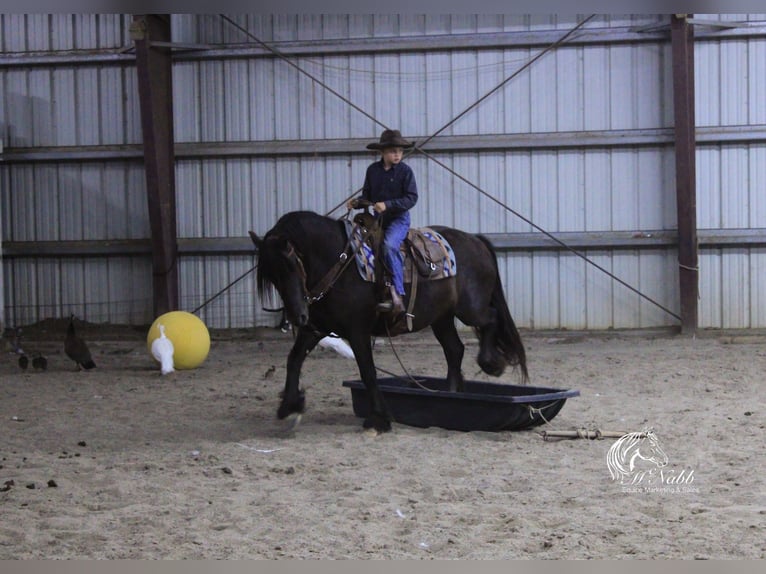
<point x="301" y="257"/>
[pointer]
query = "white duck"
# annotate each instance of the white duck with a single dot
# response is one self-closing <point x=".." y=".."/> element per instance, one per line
<point x="162" y="350"/>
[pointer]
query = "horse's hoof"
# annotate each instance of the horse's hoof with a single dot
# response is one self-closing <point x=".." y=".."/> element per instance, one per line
<point x="293" y="421"/>
<point x="379" y="424"/>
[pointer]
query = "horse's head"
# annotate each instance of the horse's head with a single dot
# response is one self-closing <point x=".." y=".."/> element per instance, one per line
<point x="650" y="450"/>
<point x="280" y="266"/>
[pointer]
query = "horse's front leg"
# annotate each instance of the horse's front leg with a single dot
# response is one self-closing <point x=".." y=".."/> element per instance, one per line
<point x="379" y="417"/>
<point x="293" y="399"/>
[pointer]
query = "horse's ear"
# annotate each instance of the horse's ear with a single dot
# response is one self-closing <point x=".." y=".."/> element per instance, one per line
<point x="256" y="240"/>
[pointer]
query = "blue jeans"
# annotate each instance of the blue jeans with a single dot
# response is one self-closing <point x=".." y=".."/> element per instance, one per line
<point x="394" y="234"/>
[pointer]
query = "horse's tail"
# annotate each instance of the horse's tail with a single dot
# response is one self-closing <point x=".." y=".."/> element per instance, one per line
<point x="507" y="338"/>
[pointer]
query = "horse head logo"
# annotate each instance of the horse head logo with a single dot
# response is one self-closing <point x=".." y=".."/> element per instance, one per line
<point x="628" y="450"/>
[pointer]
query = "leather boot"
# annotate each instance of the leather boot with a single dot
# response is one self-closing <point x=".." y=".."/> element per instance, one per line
<point x="398" y="304"/>
<point x="395" y="305"/>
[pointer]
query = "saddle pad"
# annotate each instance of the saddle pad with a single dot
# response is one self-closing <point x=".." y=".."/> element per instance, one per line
<point x="365" y="258"/>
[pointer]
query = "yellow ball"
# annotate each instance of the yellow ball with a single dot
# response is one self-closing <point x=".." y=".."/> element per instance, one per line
<point x="190" y="337"/>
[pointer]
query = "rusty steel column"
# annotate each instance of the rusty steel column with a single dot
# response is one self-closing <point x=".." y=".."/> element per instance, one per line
<point x="154" y="67"/>
<point x="682" y="39"/>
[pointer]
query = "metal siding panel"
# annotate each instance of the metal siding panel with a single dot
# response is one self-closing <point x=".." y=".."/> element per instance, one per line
<point x="649" y="104"/>
<point x="387" y="93"/>
<point x="15" y="32"/>
<point x="18" y="110"/>
<point x="491" y="178"/>
<point x="519" y="191"/>
<point x="517" y="93"/>
<point x="734" y="187"/>
<point x="111" y="106"/>
<point x="86" y="32"/>
<point x="133" y="130"/>
<point x="732" y="82"/>
<point x="262" y="103"/>
<point x="362" y="93"/>
<point x="64" y="107"/>
<point x="43" y="203"/>
<point x="311" y="188"/>
<point x="211" y="105"/>
<point x="335" y="117"/>
<point x="735" y="289"/>
<point x="708" y="175"/>
<point x="183" y="28"/>
<point x="545" y="302"/>
<point x="596" y="77"/>
<point x="86" y="102"/>
<point x="599" y="291"/>
<point x="571" y="191"/>
<point x="114" y="195"/>
<point x="93" y="202"/>
<point x="438" y="87"/>
<point x="569" y="90"/>
<point x="439" y="184"/>
<point x="238" y="198"/>
<point x="622" y="88"/>
<point x="265" y="194"/>
<point x="70" y="200"/>
<point x="756" y="184"/>
<point x="188" y="199"/>
<point x="465" y="197"/>
<point x="137" y="208"/>
<point x="62" y="31"/>
<point x="337" y="183"/>
<point x="385" y="25"/>
<point x="518" y="283"/>
<point x="653" y="200"/>
<point x="710" y="303"/>
<point x="288" y="185"/>
<point x="214" y="204"/>
<point x="626" y="303"/>
<point x="286" y="102"/>
<point x="545" y="198"/>
<point x="598" y="191"/>
<point x="756" y="97"/>
<point x="39" y="82"/>
<point x="757" y="274"/>
<point x="542" y="102"/>
<point x="236" y="100"/>
<point x="464" y="89"/>
<point x="191" y="286"/>
<point x="490" y="73"/>
<point x="624" y="190"/>
<point x="285" y="28"/>
<point x="186" y="102"/>
<point x="413" y="96"/>
<point x="707" y="95"/>
<point x="311" y="97"/>
<point x="658" y="281"/>
<point x="572" y="292"/>
<point x="22" y="226"/>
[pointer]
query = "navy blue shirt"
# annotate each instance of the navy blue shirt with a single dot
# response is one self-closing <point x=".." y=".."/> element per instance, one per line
<point x="395" y="187"/>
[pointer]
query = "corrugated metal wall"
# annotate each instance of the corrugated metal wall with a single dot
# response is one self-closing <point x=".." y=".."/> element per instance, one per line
<point x="614" y="84"/>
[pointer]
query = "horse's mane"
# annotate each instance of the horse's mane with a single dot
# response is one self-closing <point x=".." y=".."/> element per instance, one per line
<point x="302" y="230"/>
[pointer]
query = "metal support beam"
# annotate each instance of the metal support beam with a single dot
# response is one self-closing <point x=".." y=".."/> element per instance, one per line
<point x="154" y="67"/>
<point x="682" y="39"/>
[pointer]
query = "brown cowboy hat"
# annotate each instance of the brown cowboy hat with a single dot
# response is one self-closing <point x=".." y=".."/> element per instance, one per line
<point x="390" y="138"/>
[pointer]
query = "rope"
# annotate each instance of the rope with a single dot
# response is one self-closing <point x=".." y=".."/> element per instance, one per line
<point x="229" y="286"/>
<point x="419" y="149"/>
<point x="401" y="364"/>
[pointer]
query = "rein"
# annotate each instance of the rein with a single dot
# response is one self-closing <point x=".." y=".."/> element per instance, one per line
<point x="331" y="277"/>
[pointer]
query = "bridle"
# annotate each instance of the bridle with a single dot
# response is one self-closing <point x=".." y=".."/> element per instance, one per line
<point x="318" y="291"/>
